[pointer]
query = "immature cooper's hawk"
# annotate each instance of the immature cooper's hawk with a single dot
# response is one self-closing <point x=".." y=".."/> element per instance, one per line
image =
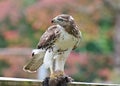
<point x="55" y="45"/>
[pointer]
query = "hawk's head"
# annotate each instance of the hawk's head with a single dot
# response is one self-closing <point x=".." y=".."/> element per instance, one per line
<point x="63" y="20"/>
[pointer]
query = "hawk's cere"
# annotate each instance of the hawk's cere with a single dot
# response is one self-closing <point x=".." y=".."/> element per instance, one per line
<point x="55" y="45"/>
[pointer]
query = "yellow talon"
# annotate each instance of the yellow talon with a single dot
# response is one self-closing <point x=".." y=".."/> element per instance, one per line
<point x="56" y="74"/>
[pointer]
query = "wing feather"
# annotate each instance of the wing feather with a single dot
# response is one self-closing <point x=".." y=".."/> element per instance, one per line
<point x="49" y="37"/>
<point x="35" y="62"/>
<point x="46" y="41"/>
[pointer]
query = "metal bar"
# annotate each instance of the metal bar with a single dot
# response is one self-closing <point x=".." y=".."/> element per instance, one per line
<point x="5" y="81"/>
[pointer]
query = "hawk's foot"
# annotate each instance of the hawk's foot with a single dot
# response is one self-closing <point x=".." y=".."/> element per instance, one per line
<point x="58" y="78"/>
<point x="56" y="74"/>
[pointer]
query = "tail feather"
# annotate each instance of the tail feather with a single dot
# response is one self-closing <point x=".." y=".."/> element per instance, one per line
<point x="35" y="62"/>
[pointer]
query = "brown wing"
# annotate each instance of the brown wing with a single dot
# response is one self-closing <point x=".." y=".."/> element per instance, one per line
<point x="49" y="37"/>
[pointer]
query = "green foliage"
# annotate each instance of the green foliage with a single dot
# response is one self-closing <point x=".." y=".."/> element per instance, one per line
<point x="105" y="23"/>
<point x="28" y="32"/>
<point x="28" y="2"/>
<point x="3" y="65"/>
<point x="93" y="47"/>
<point x="3" y="42"/>
<point x="102" y="44"/>
<point x="8" y="22"/>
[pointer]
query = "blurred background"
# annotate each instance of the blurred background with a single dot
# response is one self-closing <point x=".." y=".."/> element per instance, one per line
<point x="22" y="22"/>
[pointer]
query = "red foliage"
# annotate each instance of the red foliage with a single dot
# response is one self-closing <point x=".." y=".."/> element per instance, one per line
<point x="104" y="73"/>
<point x="5" y="8"/>
<point x="15" y="69"/>
<point x="73" y="60"/>
<point x="11" y="35"/>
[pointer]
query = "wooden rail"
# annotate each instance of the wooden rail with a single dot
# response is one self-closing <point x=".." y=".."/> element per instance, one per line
<point x="4" y="81"/>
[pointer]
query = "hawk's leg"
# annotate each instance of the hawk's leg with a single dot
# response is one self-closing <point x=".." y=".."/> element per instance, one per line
<point x="58" y="78"/>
